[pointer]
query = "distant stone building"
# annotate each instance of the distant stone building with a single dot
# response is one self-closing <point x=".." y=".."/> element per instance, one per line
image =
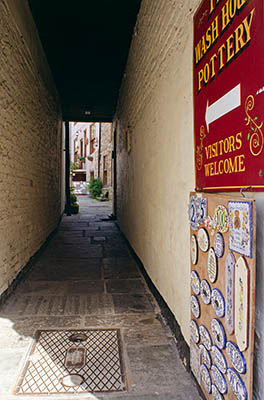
<point x="91" y="155"/>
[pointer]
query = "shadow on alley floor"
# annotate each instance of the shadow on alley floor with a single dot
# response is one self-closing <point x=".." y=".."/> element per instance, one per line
<point x="86" y="278"/>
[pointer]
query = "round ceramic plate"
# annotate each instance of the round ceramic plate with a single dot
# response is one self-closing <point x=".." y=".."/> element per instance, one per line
<point x="194" y="250"/>
<point x="205" y="292"/>
<point x="195" y="282"/>
<point x="219" y="380"/>
<point x="206" y="378"/>
<point x="194" y="330"/>
<point x="205" y="337"/>
<point x="205" y="356"/>
<point x="218" y="333"/>
<point x="218" y="303"/>
<point x="219" y="359"/>
<point x="195" y="306"/>
<point x="203" y="240"/>
<point x="219" y="245"/>
<point x="216" y="394"/>
<point x="212" y="265"/>
<point x="236" y="357"/>
<point x="236" y="384"/>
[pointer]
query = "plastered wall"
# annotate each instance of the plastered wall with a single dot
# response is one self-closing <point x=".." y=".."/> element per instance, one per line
<point x="155" y="160"/>
<point x="30" y="143"/>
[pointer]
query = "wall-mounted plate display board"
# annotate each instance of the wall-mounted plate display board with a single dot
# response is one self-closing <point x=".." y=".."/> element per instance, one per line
<point x="222" y="294"/>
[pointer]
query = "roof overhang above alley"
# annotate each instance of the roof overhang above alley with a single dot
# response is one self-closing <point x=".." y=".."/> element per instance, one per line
<point x="86" y="43"/>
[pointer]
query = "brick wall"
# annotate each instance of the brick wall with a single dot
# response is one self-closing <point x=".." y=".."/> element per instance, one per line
<point x="30" y="143"/>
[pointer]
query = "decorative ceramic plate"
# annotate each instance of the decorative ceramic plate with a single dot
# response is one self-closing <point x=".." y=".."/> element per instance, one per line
<point x="230" y="263"/>
<point x="219" y="245"/>
<point x="218" y="303"/>
<point x="236" y="357"/>
<point x="219" y="359"/>
<point x="212" y="265"/>
<point x="195" y="306"/>
<point x="236" y="384"/>
<point x="205" y="292"/>
<point x="218" y="333"/>
<point x="205" y="337"/>
<point x="203" y="239"/>
<point x="194" y="330"/>
<point x="194" y="250"/>
<point x="219" y="380"/>
<point x="205" y="356"/>
<point x="195" y="282"/>
<point x="216" y="394"/>
<point x="221" y="219"/>
<point x="206" y="378"/>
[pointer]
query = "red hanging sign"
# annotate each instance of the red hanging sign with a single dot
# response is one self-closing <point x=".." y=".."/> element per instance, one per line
<point x="228" y="68"/>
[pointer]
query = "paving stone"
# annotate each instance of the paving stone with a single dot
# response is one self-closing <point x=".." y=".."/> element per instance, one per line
<point x="146" y="364"/>
<point x="36" y="288"/>
<point x="119" y="261"/>
<point x="125" y="286"/>
<point x="74" y="251"/>
<point x="86" y="287"/>
<point x="120" y="271"/>
<point x="132" y="303"/>
<point x="116" y="252"/>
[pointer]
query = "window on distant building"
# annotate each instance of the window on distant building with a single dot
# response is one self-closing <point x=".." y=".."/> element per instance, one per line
<point x="92" y="138"/>
<point x="105" y="170"/>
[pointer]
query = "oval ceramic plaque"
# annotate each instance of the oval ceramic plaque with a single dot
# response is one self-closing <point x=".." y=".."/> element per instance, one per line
<point x="219" y="245"/>
<point x="218" y="303"/>
<point x="205" y="356"/>
<point x="230" y="263"/>
<point x="219" y="380"/>
<point x="236" y="384"/>
<point x="241" y="303"/>
<point x="218" y="333"/>
<point x="216" y="394"/>
<point x="206" y="378"/>
<point x="212" y="265"/>
<point x="195" y="282"/>
<point x="72" y="380"/>
<point x="205" y="292"/>
<point x="219" y="359"/>
<point x="203" y="239"/>
<point x="236" y="357"/>
<point x="195" y="335"/>
<point x="205" y="337"/>
<point x="195" y="306"/>
<point x="194" y="250"/>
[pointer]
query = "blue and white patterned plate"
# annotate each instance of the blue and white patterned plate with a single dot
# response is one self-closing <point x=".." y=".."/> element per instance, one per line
<point x="205" y="337"/>
<point x="218" y="333"/>
<point x="206" y="378"/>
<point x="218" y="303"/>
<point x="236" y="357"/>
<point x="216" y="394"/>
<point x="219" y="245"/>
<point x="219" y="359"/>
<point x="205" y="292"/>
<point x="195" y="282"/>
<point x="194" y="330"/>
<point x="236" y="384"/>
<point x="219" y="380"/>
<point x="205" y="356"/>
<point x="195" y="306"/>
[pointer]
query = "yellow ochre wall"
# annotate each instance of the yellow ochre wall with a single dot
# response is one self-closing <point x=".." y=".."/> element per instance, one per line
<point x="154" y="123"/>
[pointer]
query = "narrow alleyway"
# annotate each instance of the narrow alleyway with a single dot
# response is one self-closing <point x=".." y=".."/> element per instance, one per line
<point x="86" y="278"/>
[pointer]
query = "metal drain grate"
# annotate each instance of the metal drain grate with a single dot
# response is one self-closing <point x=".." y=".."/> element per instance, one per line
<point x="73" y="361"/>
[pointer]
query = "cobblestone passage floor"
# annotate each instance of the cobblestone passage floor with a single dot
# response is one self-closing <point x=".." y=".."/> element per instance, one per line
<point x="86" y="278"/>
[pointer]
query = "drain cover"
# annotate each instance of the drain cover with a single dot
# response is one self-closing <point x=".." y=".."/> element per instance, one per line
<point x="73" y="361"/>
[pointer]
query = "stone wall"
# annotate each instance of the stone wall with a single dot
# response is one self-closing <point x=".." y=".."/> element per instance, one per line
<point x="106" y="157"/>
<point x="30" y="144"/>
